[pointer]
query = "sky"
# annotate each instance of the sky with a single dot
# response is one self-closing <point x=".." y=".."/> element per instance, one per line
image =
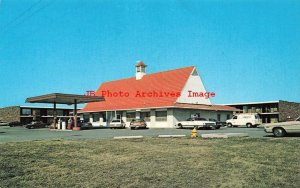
<point x="244" y="51"/>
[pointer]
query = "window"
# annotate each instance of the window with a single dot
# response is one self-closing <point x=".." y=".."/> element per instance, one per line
<point x="86" y="117"/>
<point x="26" y="112"/>
<point x="234" y="117"/>
<point x="145" y="116"/>
<point x="104" y="116"/>
<point x="49" y="112"/>
<point x="130" y="116"/>
<point x="60" y="112"/>
<point x="96" y="117"/>
<point x="228" y="116"/>
<point x="219" y="117"/>
<point x="161" y="115"/>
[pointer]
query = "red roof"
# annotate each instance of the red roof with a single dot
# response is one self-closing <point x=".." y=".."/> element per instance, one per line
<point x="206" y="107"/>
<point x="163" y="83"/>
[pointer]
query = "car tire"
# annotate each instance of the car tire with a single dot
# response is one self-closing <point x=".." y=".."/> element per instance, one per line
<point x="132" y="128"/>
<point x="217" y="127"/>
<point x="229" y="125"/>
<point x="279" y="132"/>
<point x="180" y="126"/>
<point x="249" y="125"/>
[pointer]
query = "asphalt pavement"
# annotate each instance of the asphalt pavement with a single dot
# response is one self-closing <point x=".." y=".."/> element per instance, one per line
<point x="20" y="134"/>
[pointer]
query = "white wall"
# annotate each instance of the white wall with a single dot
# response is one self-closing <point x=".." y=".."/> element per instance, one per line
<point x="194" y="83"/>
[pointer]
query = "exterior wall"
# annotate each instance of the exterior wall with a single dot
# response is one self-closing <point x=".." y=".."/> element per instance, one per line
<point x="286" y="109"/>
<point x="173" y="116"/>
<point x="272" y="112"/>
<point x="10" y="114"/>
<point x="195" y="84"/>
<point x="183" y="114"/>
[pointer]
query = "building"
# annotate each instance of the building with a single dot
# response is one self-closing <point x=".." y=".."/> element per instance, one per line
<point x="162" y="99"/>
<point x="271" y="111"/>
<point x="26" y="114"/>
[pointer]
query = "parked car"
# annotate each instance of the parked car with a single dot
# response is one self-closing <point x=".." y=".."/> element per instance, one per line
<point x="197" y="123"/>
<point x="35" y="125"/>
<point x="3" y="123"/>
<point x="84" y="125"/>
<point x="283" y="128"/>
<point x="14" y="124"/>
<point x="138" y="123"/>
<point x="117" y="123"/>
<point x="218" y="123"/>
<point x="248" y="120"/>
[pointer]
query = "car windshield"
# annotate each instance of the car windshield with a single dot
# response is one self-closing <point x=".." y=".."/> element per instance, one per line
<point x="189" y="119"/>
<point x="138" y="120"/>
<point x="200" y="119"/>
<point x="212" y="119"/>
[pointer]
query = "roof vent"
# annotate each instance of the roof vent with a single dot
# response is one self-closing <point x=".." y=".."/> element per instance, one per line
<point x="140" y="70"/>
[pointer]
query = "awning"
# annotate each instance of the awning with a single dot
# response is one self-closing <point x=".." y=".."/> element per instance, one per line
<point x="61" y="98"/>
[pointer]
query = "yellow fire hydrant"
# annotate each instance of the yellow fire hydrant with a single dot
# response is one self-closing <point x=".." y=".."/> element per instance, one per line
<point x="194" y="133"/>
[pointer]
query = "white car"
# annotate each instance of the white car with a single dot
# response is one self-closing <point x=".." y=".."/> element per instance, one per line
<point x="248" y="120"/>
<point x="196" y="122"/>
<point x="3" y="123"/>
<point x="117" y="123"/>
<point x="282" y="128"/>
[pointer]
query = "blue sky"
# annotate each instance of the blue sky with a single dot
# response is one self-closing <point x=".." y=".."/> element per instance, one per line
<point x="244" y="50"/>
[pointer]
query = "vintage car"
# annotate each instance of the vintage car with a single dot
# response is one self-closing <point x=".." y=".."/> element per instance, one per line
<point x="138" y="123"/>
<point x="35" y="125"/>
<point x="117" y="123"/>
<point x="197" y="123"/>
<point x="282" y="128"/>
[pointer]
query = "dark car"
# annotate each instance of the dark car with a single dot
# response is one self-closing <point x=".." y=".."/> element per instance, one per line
<point x="84" y="125"/>
<point x="35" y="125"/>
<point x="138" y="123"/>
<point x="14" y="124"/>
<point x="218" y="123"/>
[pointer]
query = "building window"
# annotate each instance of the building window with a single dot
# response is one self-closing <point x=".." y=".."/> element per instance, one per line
<point x="104" y="116"/>
<point x="145" y="116"/>
<point x="161" y="116"/>
<point x="26" y="112"/>
<point x="49" y="112"/>
<point x="228" y="116"/>
<point x="86" y="117"/>
<point x="60" y="112"/>
<point x="96" y="117"/>
<point x="219" y="117"/>
<point x="130" y="116"/>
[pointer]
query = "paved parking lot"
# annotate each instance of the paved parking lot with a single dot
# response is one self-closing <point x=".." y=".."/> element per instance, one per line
<point x="19" y="134"/>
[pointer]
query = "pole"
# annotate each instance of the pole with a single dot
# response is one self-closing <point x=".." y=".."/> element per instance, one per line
<point x="75" y="128"/>
<point x="54" y="115"/>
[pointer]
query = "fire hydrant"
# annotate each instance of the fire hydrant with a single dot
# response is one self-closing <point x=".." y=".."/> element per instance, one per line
<point x="194" y="133"/>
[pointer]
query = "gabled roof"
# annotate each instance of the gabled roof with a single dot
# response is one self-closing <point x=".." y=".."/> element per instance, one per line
<point x="167" y="81"/>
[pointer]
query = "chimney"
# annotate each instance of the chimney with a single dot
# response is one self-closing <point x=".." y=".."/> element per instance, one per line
<point x="140" y="70"/>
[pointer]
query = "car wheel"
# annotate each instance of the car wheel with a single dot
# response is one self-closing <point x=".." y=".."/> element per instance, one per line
<point x="229" y="125"/>
<point x="218" y="127"/>
<point x="279" y="132"/>
<point x="132" y="128"/>
<point x="249" y="125"/>
<point x="180" y="126"/>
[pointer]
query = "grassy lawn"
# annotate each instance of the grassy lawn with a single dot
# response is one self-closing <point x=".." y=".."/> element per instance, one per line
<point x="151" y="163"/>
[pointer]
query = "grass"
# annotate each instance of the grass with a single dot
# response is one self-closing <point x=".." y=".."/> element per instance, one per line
<point x="151" y="163"/>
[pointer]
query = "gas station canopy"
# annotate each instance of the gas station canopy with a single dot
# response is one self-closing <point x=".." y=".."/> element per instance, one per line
<point x="61" y="98"/>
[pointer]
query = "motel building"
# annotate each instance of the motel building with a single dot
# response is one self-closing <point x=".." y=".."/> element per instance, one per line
<point x="161" y="99"/>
